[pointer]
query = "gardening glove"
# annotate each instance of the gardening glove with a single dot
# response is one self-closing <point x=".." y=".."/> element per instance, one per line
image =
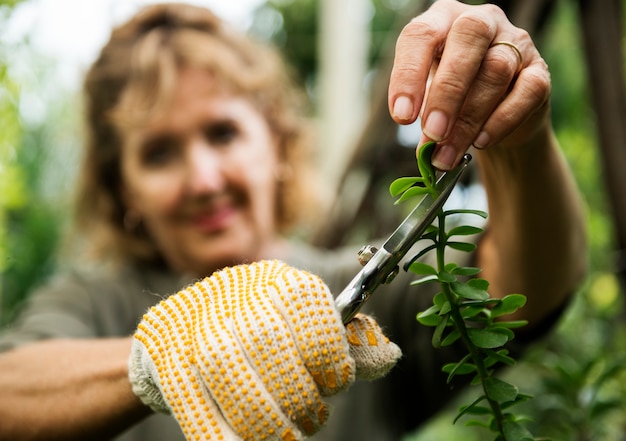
<point x="250" y="352"/>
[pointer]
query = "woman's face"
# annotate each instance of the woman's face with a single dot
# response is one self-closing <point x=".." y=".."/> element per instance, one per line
<point x="202" y="177"/>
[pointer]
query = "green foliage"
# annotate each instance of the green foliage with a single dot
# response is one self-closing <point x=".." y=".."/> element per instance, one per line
<point x="29" y="224"/>
<point x="33" y="228"/>
<point x="464" y="312"/>
<point x="12" y="182"/>
<point x="580" y="372"/>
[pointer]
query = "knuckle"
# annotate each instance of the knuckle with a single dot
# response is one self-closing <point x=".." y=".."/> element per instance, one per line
<point x="450" y="84"/>
<point x="474" y="26"/>
<point x="418" y="30"/>
<point x="522" y="35"/>
<point x="499" y="66"/>
<point x="537" y="85"/>
<point x="493" y="10"/>
<point x="466" y="124"/>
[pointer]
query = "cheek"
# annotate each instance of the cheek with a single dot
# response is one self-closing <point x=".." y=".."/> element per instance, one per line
<point x="260" y="171"/>
<point x="151" y="193"/>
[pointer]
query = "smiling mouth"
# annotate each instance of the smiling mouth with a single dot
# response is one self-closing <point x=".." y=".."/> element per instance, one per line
<point x="214" y="221"/>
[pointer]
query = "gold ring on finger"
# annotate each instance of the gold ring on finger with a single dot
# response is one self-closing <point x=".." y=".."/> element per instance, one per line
<point x="518" y="53"/>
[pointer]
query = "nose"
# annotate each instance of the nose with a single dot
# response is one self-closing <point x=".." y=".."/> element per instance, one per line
<point x="204" y="168"/>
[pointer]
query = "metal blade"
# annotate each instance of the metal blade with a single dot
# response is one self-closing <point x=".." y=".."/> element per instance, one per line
<point x="383" y="265"/>
<point x="424" y="213"/>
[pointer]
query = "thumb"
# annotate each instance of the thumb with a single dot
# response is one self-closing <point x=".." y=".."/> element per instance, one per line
<point x="373" y="353"/>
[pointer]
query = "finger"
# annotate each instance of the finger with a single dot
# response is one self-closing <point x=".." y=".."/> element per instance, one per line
<point x="529" y="95"/>
<point x="309" y="310"/>
<point x="419" y="44"/>
<point x="466" y="45"/>
<point x="259" y="386"/>
<point x="492" y="83"/>
<point x="161" y="333"/>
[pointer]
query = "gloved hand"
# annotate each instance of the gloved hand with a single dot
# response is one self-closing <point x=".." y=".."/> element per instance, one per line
<point x="250" y="352"/>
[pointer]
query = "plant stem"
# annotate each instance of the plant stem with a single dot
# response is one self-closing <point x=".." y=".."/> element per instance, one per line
<point x="459" y="322"/>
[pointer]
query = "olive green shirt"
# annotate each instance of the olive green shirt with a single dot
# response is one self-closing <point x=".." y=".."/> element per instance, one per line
<point x="99" y="304"/>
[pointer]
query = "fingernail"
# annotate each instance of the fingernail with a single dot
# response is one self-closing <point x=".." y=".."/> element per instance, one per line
<point x="445" y="157"/>
<point x="403" y="108"/>
<point x="436" y="125"/>
<point x="482" y="140"/>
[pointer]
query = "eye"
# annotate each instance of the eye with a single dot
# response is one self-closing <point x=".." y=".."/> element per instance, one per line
<point x="159" y="151"/>
<point x="221" y="133"/>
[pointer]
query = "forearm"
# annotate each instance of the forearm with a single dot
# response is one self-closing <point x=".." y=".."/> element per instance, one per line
<point x="535" y="244"/>
<point x="67" y="389"/>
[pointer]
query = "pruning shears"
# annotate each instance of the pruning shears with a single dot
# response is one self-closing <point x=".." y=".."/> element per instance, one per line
<point x="380" y="266"/>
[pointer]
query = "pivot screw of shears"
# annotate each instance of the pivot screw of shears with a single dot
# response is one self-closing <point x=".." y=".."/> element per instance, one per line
<point x="366" y="253"/>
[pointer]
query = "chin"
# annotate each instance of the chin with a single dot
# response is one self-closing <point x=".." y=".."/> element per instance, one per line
<point x="216" y="260"/>
<point x="214" y="252"/>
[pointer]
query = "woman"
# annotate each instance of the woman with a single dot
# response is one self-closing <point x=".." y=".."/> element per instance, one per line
<point x="196" y="160"/>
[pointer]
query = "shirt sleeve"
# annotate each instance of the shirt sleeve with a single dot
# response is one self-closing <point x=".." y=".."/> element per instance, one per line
<point x="61" y="309"/>
<point x="89" y="303"/>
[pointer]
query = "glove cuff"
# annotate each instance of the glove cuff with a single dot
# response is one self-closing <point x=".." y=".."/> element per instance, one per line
<point x="373" y="353"/>
<point x="144" y="379"/>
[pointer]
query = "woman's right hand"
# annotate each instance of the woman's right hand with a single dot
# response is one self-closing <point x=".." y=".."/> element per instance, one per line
<point x="253" y="350"/>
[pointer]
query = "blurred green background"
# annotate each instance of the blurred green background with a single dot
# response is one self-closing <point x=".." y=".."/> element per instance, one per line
<point x="577" y="375"/>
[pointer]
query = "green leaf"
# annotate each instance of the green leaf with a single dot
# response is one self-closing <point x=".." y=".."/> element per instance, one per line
<point x="484" y="338"/>
<point x="451" y="338"/>
<point x="465" y="271"/>
<point x="468" y="291"/>
<point x="471" y="311"/>
<point x="495" y="327"/>
<point x="445" y="308"/>
<point x="473" y="409"/>
<point x="434" y="309"/>
<point x="439" y="299"/>
<point x="484" y="303"/>
<point x="424" y="162"/>
<point x="464" y="230"/>
<point x="462" y="246"/>
<point x="429" y="320"/>
<point x="480" y="213"/>
<point x="460" y="368"/>
<point x="500" y="391"/>
<point x="446" y="277"/>
<point x="519" y="399"/>
<point x="418" y="255"/>
<point x="508" y="305"/>
<point x="499" y="356"/>
<point x="422" y="269"/>
<point x="511" y="324"/>
<point x="514" y="431"/>
<point x="431" y="235"/>
<point x="449" y="267"/>
<point x="441" y="326"/>
<point x="477" y="423"/>
<point x="411" y="193"/>
<point x="401" y="185"/>
<point x="423" y="280"/>
<point x="479" y="284"/>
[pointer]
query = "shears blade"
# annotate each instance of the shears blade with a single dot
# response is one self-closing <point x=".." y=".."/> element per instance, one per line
<point x="382" y="266"/>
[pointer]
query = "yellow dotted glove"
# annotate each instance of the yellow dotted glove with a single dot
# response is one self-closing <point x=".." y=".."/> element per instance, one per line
<point x="249" y="352"/>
